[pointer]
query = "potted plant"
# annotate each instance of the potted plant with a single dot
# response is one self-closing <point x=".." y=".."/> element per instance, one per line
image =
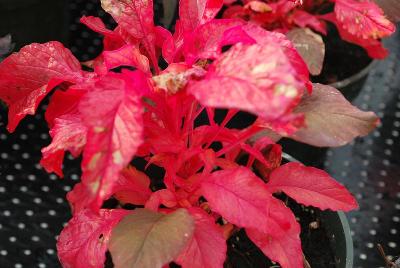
<point x="128" y="116"/>
<point x="349" y="31"/>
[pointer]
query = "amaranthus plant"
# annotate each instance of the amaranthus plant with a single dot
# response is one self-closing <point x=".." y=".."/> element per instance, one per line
<point x="359" y="22"/>
<point x="128" y="108"/>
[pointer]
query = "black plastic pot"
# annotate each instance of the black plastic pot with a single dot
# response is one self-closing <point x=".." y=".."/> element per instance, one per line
<point x="31" y="21"/>
<point x="338" y="231"/>
<point x="351" y="87"/>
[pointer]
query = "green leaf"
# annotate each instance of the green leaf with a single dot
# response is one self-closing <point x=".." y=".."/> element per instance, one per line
<point x="148" y="239"/>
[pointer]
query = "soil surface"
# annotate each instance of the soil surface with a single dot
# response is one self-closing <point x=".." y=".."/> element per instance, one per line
<point x="342" y="59"/>
<point x="242" y="253"/>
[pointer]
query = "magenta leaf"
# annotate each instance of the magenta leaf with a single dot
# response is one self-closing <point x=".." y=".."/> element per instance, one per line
<point x="98" y="26"/>
<point x="363" y="19"/>
<point x="205" y="41"/>
<point x="69" y="134"/>
<point x="28" y="76"/>
<point x="264" y="37"/>
<point x="114" y="132"/>
<point x="311" y="187"/>
<point x="304" y="19"/>
<point x="193" y="13"/>
<point x="239" y="196"/>
<point x="136" y="18"/>
<point x="265" y="85"/>
<point x="127" y="55"/>
<point x="283" y="244"/>
<point x="149" y="239"/>
<point x="83" y="242"/>
<point x="331" y="120"/>
<point x="207" y="247"/>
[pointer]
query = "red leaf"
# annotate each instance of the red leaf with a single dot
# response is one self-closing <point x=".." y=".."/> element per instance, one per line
<point x="311" y="187"/>
<point x="265" y="85"/>
<point x="83" y="242"/>
<point x="163" y="196"/>
<point x="136" y="18"/>
<point x="193" y="13"/>
<point x="331" y="120"/>
<point x="127" y="55"/>
<point x="132" y="187"/>
<point x="61" y="103"/>
<point x="205" y="41"/>
<point x="28" y="76"/>
<point x="97" y="25"/>
<point x="69" y="134"/>
<point x="373" y="47"/>
<point x="363" y="19"/>
<point x="207" y="247"/>
<point x="239" y="196"/>
<point x="304" y="19"/>
<point x="282" y="245"/>
<point x="115" y="132"/>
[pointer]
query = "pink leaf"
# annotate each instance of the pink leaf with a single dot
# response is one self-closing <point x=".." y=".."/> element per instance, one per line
<point x="127" y="55"/>
<point x="69" y="134"/>
<point x="193" y="13"/>
<point x="97" y="25"/>
<point x="239" y="196"/>
<point x="331" y="120"/>
<point x="363" y="19"/>
<point x="83" y="242"/>
<point x="236" y="35"/>
<point x="205" y="41"/>
<point x="265" y="85"/>
<point x="311" y="187"/>
<point x="282" y="245"/>
<point x="28" y="76"/>
<point x="115" y="132"/>
<point x="304" y="19"/>
<point x="136" y="18"/>
<point x="132" y="187"/>
<point x="264" y="37"/>
<point x="207" y="247"/>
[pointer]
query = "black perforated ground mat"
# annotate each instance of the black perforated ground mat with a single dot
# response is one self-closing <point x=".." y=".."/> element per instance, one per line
<point x="33" y="207"/>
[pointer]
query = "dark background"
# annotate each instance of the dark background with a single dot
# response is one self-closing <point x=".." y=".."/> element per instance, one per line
<point x="32" y="203"/>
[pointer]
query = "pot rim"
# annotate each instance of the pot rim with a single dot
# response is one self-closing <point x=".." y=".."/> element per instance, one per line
<point x="344" y="231"/>
<point x="347" y="81"/>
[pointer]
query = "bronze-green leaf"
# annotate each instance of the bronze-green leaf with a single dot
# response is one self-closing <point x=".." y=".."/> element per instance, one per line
<point x="310" y="46"/>
<point x="331" y="120"/>
<point x="148" y="239"/>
